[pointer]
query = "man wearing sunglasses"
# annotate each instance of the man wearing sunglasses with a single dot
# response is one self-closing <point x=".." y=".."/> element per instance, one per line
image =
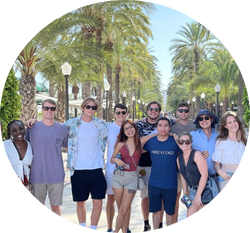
<point x="182" y="124"/>
<point x="86" y="147"/>
<point x="47" y="137"/>
<point x="204" y="139"/>
<point x="120" y="114"/>
<point x="145" y="128"/>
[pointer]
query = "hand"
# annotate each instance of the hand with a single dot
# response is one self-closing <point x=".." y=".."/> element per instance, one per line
<point x="224" y="175"/>
<point x="205" y="154"/>
<point x="144" y="119"/>
<point x="119" y="162"/>
<point x="30" y="122"/>
<point x="197" y="200"/>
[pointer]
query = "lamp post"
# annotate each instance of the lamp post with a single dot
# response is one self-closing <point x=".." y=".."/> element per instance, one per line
<point x="232" y="105"/>
<point x="107" y="87"/>
<point x="133" y="99"/>
<point x="124" y="97"/>
<point x="143" y="108"/>
<point x="221" y="104"/>
<point x="203" y="97"/>
<point x="66" y="70"/>
<point x="139" y="102"/>
<point x="217" y="90"/>
<point x="193" y="99"/>
<point x="214" y="105"/>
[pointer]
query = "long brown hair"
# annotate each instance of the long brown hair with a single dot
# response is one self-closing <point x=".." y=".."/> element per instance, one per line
<point x="223" y="131"/>
<point x="123" y="138"/>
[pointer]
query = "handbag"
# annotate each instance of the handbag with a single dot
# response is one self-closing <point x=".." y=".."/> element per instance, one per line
<point x="141" y="184"/>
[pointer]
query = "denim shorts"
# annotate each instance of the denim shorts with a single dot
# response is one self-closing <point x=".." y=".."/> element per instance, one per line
<point x="124" y="179"/>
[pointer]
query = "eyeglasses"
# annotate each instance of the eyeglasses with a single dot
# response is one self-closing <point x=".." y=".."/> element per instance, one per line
<point x="187" y="142"/>
<point x="122" y="112"/>
<point x="89" y="106"/>
<point x="129" y="127"/>
<point x="151" y="109"/>
<point x="205" y="117"/>
<point x="183" y="110"/>
<point x="46" y="108"/>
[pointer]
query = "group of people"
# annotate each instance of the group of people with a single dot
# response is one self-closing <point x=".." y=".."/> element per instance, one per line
<point x="166" y="155"/>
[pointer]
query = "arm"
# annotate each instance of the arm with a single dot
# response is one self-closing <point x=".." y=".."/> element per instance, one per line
<point x="183" y="181"/>
<point x="113" y="159"/>
<point x="202" y="167"/>
<point x="222" y="173"/>
<point x="146" y="138"/>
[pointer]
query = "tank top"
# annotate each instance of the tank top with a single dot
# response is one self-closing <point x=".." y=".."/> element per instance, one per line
<point x="191" y="170"/>
<point x="126" y="158"/>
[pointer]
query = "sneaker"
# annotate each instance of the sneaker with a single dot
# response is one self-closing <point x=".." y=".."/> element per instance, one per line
<point x="147" y="228"/>
<point x="128" y="231"/>
<point x="109" y="230"/>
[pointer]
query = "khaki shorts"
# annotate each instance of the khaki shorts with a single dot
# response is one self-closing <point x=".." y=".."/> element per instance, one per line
<point x="124" y="179"/>
<point x="108" y="177"/>
<point x="144" y="192"/>
<point x="55" y="192"/>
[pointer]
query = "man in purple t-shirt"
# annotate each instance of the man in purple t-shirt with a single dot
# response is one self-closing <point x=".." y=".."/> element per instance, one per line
<point x="47" y="137"/>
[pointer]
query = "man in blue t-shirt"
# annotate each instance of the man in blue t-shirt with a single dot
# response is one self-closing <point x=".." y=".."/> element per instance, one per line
<point x="163" y="178"/>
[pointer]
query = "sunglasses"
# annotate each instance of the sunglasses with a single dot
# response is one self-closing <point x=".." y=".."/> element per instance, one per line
<point x="183" y="110"/>
<point x="88" y="107"/>
<point x="122" y="112"/>
<point x="187" y="142"/>
<point x="156" y="109"/>
<point x="46" y="108"/>
<point x="129" y="127"/>
<point x="205" y="117"/>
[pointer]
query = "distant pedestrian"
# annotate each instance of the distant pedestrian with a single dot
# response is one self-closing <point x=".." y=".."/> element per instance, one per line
<point x="86" y="146"/>
<point x="47" y="137"/>
<point x="229" y="147"/>
<point x="19" y="151"/>
<point x="125" y="181"/>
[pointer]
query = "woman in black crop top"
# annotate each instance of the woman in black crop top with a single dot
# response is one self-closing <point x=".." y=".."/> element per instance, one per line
<point x="192" y="164"/>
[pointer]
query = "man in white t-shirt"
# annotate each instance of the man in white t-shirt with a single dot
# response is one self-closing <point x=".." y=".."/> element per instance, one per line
<point x="120" y="114"/>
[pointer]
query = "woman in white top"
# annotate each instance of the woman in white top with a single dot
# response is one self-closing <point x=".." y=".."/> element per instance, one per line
<point x="229" y="148"/>
<point x="19" y="150"/>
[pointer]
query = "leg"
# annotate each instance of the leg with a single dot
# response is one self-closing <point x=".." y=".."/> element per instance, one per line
<point x="128" y="218"/>
<point x="125" y="203"/>
<point x="156" y="219"/>
<point x="56" y="209"/>
<point x="110" y="210"/>
<point x="161" y="215"/>
<point x="81" y="211"/>
<point x="96" y="212"/>
<point x="169" y="219"/>
<point x="175" y="216"/>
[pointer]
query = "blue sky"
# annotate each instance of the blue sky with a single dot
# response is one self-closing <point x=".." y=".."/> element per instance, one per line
<point x="165" y="22"/>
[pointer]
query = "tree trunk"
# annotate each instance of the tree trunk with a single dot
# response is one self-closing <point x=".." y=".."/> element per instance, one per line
<point x="61" y="105"/>
<point x="110" y="102"/>
<point x="99" y="99"/>
<point x="51" y="89"/>
<point x="117" y="84"/>
<point x="240" y="110"/>
<point x="28" y="92"/>
<point x="86" y="89"/>
<point x="75" y="91"/>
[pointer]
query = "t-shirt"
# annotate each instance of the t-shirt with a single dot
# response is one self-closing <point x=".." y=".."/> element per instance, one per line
<point x="46" y="143"/>
<point x="178" y="128"/>
<point x="114" y="130"/>
<point x="145" y="129"/>
<point x="164" y="166"/>
<point x="88" y="155"/>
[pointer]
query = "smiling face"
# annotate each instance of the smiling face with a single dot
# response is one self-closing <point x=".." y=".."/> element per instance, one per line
<point x="153" y="112"/>
<point x="48" y="114"/>
<point x="205" y="121"/>
<point x="129" y="130"/>
<point x="88" y="110"/>
<point x="119" y="115"/>
<point x="231" y="124"/>
<point x="17" y="131"/>
<point x="185" y="142"/>
<point x="183" y="113"/>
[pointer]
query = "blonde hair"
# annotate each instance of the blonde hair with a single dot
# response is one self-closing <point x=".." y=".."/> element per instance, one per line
<point x="87" y="100"/>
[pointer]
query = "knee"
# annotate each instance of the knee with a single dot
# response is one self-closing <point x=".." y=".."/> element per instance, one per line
<point x="81" y="204"/>
<point x="97" y="204"/>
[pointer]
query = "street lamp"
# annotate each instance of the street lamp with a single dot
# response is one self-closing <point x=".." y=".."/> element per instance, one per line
<point x="66" y="70"/>
<point x="221" y="104"/>
<point x="143" y="108"/>
<point x="133" y="99"/>
<point x="139" y="101"/>
<point x="124" y="97"/>
<point x="232" y="105"/>
<point x="107" y="87"/>
<point x="203" y="96"/>
<point x="217" y="90"/>
<point x="193" y="99"/>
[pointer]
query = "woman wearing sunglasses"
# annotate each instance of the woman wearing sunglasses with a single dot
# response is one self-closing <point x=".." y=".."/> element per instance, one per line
<point x="229" y="148"/>
<point x="192" y="164"/>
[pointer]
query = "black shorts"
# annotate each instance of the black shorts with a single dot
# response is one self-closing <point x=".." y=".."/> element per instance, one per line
<point x="84" y="182"/>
